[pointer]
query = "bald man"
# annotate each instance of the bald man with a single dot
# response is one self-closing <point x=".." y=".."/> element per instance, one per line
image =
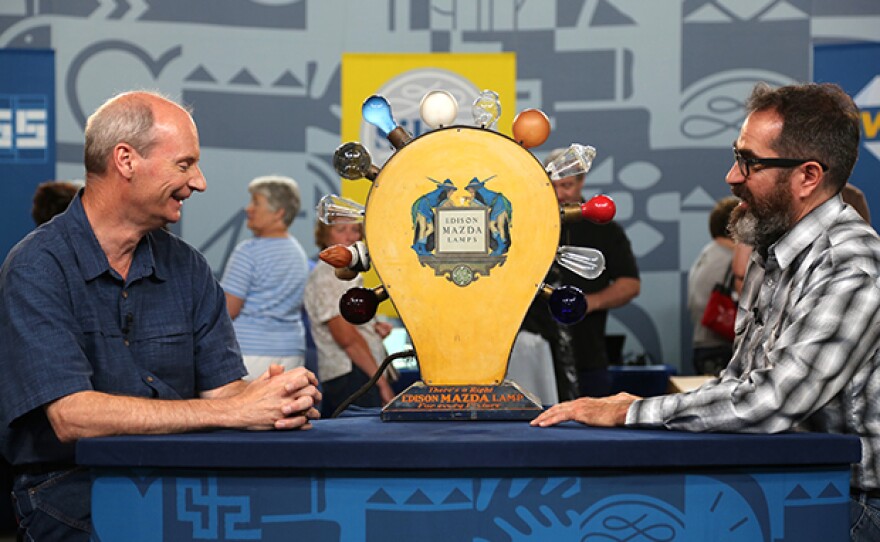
<point x="111" y="325"/>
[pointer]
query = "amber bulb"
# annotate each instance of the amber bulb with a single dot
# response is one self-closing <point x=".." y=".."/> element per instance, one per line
<point x="531" y="127"/>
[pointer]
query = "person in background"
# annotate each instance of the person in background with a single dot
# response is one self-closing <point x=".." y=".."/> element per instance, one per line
<point x="617" y="286"/>
<point x="348" y="355"/>
<point x="51" y="198"/>
<point x="711" y="351"/>
<point x="111" y="325"/>
<point x="265" y="279"/>
<point x="807" y="349"/>
<point x="532" y="363"/>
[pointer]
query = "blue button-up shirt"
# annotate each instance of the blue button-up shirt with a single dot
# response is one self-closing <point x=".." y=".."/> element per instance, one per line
<point x="70" y="323"/>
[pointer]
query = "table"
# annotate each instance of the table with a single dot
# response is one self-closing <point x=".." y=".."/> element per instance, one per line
<point x="359" y="479"/>
<point x="641" y="380"/>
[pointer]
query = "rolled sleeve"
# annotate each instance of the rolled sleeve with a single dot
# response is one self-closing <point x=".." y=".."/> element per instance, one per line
<point x="36" y="329"/>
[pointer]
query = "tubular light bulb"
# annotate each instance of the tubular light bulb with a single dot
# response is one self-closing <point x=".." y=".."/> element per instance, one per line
<point x="333" y="209"/>
<point x="586" y="262"/>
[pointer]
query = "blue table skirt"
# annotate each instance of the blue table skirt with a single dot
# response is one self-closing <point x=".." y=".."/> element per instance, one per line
<point x="359" y="479"/>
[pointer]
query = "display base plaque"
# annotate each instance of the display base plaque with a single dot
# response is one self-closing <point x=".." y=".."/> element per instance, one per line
<point x="423" y="402"/>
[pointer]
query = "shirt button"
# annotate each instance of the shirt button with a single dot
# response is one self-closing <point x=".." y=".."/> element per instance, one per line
<point x="125" y="342"/>
<point x="124" y="294"/>
<point x="150" y="379"/>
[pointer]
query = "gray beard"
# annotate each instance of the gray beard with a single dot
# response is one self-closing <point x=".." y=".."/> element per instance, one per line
<point x="761" y="233"/>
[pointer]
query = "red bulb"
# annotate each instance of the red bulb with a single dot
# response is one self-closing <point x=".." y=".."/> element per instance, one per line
<point x="600" y="209"/>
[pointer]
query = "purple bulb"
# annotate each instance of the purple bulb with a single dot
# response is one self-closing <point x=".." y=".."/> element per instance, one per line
<point x="358" y="305"/>
<point x="568" y="304"/>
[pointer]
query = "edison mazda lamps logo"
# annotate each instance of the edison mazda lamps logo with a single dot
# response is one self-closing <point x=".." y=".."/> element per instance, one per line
<point x="868" y="100"/>
<point x="24" y="128"/>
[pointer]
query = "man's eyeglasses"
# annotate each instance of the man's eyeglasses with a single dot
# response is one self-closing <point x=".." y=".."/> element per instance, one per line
<point x="747" y="163"/>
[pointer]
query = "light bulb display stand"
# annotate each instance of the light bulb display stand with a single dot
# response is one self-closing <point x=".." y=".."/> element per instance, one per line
<point x="462" y="225"/>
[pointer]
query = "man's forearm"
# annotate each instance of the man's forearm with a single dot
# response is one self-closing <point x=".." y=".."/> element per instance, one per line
<point x="617" y="294"/>
<point x="279" y="400"/>
<point x="94" y="414"/>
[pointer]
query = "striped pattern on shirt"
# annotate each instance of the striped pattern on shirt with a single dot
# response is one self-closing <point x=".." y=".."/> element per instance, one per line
<point x="269" y="274"/>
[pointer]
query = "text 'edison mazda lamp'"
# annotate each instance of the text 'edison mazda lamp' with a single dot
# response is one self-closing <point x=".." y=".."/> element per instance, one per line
<point x="461" y="226"/>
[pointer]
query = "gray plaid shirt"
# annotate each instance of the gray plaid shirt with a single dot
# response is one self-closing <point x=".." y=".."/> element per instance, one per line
<point x="806" y="350"/>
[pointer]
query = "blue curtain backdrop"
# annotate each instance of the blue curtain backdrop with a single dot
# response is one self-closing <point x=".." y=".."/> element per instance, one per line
<point x="856" y="68"/>
<point x="27" y="136"/>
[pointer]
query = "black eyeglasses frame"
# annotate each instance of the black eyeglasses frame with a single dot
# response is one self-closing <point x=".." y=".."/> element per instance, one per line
<point x="746" y="163"/>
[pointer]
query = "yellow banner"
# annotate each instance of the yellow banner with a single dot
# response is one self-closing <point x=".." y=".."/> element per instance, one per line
<point x="403" y="79"/>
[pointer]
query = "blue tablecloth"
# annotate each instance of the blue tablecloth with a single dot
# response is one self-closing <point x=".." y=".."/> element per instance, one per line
<point x="356" y="442"/>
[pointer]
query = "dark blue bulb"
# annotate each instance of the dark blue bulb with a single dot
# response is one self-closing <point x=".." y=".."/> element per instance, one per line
<point x="568" y="304"/>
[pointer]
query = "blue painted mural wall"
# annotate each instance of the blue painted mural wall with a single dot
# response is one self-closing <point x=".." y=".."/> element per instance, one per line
<point x="657" y="87"/>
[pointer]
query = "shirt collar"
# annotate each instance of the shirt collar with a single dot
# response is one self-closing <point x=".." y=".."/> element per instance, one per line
<point x="806" y="231"/>
<point x="91" y="257"/>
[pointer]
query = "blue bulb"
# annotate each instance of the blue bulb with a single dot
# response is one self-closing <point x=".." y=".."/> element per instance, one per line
<point x="377" y="112"/>
<point x="568" y="304"/>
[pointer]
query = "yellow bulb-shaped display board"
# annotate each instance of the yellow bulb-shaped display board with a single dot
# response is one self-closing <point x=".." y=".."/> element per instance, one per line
<point x="462" y="225"/>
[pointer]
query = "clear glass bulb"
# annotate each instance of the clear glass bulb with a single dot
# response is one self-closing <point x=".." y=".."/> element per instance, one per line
<point x="486" y="109"/>
<point x="352" y="161"/>
<point x="377" y="111"/>
<point x="333" y="209"/>
<point x="438" y="108"/>
<point x="576" y="160"/>
<point x="586" y="262"/>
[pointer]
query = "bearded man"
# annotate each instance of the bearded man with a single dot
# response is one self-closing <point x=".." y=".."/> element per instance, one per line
<point x="808" y="327"/>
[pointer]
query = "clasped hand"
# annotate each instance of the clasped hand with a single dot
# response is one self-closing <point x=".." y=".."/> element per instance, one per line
<point x="282" y="399"/>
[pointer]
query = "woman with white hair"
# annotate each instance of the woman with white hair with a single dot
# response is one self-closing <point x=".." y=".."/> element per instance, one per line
<point x="265" y="278"/>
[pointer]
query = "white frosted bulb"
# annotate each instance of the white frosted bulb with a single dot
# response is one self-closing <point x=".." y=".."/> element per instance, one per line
<point x="438" y="108"/>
